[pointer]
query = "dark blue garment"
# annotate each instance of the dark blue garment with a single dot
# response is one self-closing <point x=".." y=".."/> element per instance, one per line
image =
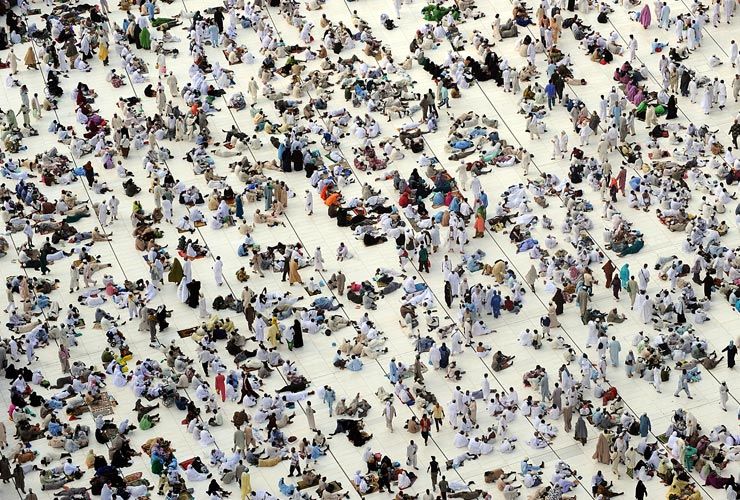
<point x="496" y="305"/>
<point x="444" y="356"/>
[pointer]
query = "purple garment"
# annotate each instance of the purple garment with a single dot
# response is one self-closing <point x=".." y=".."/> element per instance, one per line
<point x="645" y="17"/>
<point x="639" y="97"/>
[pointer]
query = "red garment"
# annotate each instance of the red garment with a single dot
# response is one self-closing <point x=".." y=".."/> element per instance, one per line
<point x="609" y="395"/>
<point x="221" y="386"/>
<point x="403" y="201"/>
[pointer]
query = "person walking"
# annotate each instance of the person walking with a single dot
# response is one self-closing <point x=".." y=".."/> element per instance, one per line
<point x="424" y="259"/>
<point x="295" y="466"/>
<point x="614" y="349"/>
<point x="240" y="441"/>
<point x="218" y="271"/>
<point x="724" y="394"/>
<point x="411" y="450"/>
<point x="220" y="385"/>
<point x="311" y="416"/>
<point x="329" y="397"/>
<point x="151" y="320"/>
<point x="390" y="414"/>
<point x="438" y="414"/>
<point x="683" y="384"/>
<point x="640" y="490"/>
<point x="425" y="426"/>
<point x="384" y="478"/>
<point x="64" y="358"/>
<point x="581" y="433"/>
<point x="551" y="93"/>
<point x="20" y="478"/>
<point x="444" y="487"/>
<point x="731" y="351"/>
<point x="433" y="470"/>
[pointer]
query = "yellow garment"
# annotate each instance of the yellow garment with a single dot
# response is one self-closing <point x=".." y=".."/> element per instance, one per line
<point x="498" y="271"/>
<point x="199" y="334"/>
<point x="103" y="51"/>
<point x="273" y="332"/>
<point x="676" y="488"/>
<point x="90" y="459"/>
<point x="246" y="483"/>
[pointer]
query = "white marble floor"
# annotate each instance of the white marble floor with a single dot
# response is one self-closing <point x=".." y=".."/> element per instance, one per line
<point x="315" y="359"/>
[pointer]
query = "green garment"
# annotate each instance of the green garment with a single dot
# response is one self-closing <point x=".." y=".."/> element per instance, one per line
<point x="145" y="39"/>
<point x="145" y="423"/>
<point x="176" y="273"/>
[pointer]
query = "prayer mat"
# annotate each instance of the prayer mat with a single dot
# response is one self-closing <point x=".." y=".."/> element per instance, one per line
<point x="103" y="405"/>
<point x="333" y="486"/>
<point x="184" y="255"/>
<point x="187" y="332"/>
<point x="184" y="465"/>
<point x="133" y="478"/>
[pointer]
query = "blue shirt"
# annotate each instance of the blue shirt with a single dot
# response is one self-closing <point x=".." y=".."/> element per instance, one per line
<point x="55" y="428"/>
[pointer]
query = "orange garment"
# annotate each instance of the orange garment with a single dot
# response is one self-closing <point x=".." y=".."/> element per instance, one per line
<point x="480" y="224"/>
<point x="332" y="199"/>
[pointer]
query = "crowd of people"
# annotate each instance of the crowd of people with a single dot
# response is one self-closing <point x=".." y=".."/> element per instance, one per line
<point x="553" y="283"/>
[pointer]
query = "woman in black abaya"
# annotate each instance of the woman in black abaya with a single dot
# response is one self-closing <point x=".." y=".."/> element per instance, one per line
<point x="193" y="294"/>
<point x="297" y="334"/>
<point x="559" y="300"/>
<point x="672" y="108"/>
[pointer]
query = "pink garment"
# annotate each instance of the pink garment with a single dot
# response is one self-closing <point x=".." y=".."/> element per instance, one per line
<point x="645" y="17"/>
<point x="631" y="91"/>
<point x="639" y="97"/>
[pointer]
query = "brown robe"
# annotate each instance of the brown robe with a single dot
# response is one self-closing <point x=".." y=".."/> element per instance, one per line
<point x="568" y="418"/>
<point x="30" y="58"/>
<point x="293" y="275"/>
<point x="601" y="454"/>
<point x="341" y="281"/>
<point x="608" y="269"/>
